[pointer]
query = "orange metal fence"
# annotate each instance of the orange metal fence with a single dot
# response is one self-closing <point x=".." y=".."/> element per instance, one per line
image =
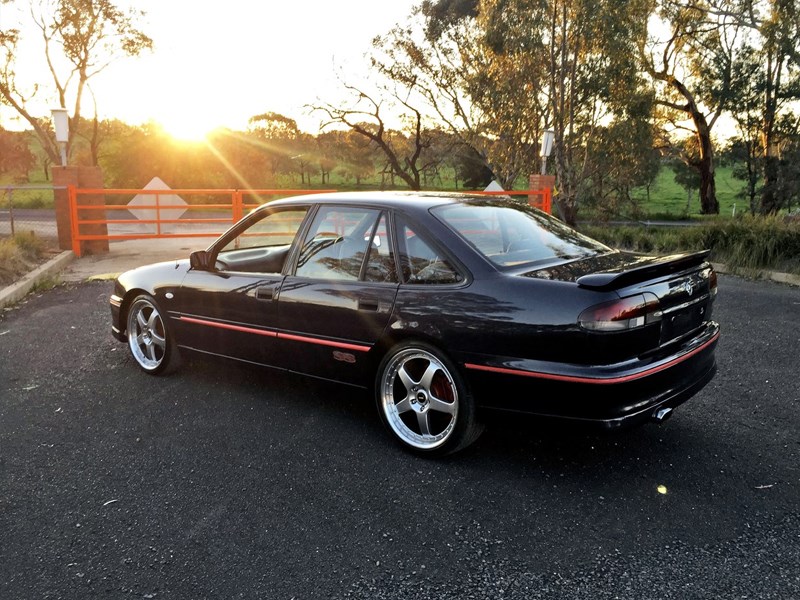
<point x="541" y="199"/>
<point x="94" y="227"/>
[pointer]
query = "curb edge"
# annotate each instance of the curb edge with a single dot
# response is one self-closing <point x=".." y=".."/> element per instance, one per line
<point x="17" y="291"/>
<point x="787" y="278"/>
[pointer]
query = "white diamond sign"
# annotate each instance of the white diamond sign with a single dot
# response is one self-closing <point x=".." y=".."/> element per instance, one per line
<point x="494" y="187"/>
<point x="151" y="214"/>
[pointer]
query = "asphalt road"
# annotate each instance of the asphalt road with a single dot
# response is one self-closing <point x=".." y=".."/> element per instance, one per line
<point x="226" y="482"/>
<point x="40" y="221"/>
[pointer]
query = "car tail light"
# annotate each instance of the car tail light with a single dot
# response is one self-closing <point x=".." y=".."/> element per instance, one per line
<point x="712" y="283"/>
<point x="621" y="315"/>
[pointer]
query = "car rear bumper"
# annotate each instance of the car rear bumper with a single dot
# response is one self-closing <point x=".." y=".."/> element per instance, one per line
<point x="609" y="396"/>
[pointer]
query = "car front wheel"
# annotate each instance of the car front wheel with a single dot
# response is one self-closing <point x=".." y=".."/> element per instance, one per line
<point x="424" y="401"/>
<point x="149" y="338"/>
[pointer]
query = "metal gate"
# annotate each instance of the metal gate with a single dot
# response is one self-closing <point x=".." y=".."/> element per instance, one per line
<point x="211" y="214"/>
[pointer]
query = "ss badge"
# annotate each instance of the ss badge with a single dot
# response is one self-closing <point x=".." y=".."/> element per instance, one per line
<point x="344" y="356"/>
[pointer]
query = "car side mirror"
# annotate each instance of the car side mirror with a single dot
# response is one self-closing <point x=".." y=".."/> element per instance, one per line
<point x="199" y="260"/>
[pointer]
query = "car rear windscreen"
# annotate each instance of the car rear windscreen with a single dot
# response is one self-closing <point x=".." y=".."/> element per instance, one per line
<point x="510" y="235"/>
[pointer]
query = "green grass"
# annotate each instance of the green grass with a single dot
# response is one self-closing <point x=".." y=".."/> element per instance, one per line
<point x="669" y="200"/>
<point x="46" y="283"/>
<point x="26" y="198"/>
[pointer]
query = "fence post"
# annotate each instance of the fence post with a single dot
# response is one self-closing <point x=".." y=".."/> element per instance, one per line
<point x="72" y="198"/>
<point x="545" y="184"/>
<point x="238" y="205"/>
<point x="62" y="178"/>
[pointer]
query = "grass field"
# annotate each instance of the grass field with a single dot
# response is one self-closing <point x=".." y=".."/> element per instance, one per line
<point x="667" y="198"/>
<point x="26" y="198"/>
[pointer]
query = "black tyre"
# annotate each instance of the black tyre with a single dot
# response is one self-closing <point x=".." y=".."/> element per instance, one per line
<point x="149" y="338"/>
<point x="424" y="401"/>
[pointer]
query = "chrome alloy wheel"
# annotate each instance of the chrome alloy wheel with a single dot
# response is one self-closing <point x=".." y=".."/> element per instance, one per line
<point x="419" y="398"/>
<point x="147" y="336"/>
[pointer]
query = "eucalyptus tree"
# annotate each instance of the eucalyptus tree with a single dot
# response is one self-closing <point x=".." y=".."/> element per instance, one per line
<point x="15" y="156"/>
<point x="81" y="38"/>
<point x="689" y="55"/>
<point x="483" y="98"/>
<point x="624" y="159"/>
<point x="326" y="153"/>
<point x="357" y="155"/>
<point x="496" y="73"/>
<point x="736" y="56"/>
<point x="276" y="136"/>
<point x="769" y="82"/>
<point x="746" y="149"/>
<point x="585" y="75"/>
<point x="365" y="114"/>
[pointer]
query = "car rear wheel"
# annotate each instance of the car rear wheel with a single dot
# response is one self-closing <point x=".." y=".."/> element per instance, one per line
<point x="424" y="401"/>
<point x="149" y="337"/>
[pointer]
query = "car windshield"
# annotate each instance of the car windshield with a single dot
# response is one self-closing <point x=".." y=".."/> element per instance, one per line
<point x="510" y="235"/>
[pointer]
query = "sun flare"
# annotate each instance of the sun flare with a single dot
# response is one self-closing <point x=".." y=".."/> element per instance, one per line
<point x="186" y="127"/>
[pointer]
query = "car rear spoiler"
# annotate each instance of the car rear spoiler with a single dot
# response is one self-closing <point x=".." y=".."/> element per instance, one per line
<point x="657" y="267"/>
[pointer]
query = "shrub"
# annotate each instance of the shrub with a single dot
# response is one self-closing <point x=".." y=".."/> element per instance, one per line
<point x="30" y="244"/>
<point x="17" y="255"/>
<point x="745" y="243"/>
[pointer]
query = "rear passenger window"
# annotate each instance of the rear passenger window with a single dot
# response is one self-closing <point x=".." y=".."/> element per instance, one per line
<point x="421" y="262"/>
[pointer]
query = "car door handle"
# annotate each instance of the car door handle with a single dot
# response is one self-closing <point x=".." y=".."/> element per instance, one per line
<point x="371" y="305"/>
<point x="265" y="293"/>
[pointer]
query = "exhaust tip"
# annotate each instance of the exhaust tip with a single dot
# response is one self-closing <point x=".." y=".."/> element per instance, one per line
<point x="662" y="414"/>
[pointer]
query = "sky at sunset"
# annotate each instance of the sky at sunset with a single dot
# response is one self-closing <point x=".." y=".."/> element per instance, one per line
<point x="217" y="64"/>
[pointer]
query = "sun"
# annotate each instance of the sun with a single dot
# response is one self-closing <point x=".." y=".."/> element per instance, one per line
<point x="186" y="126"/>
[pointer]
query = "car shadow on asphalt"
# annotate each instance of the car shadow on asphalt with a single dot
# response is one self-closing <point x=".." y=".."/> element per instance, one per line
<point x="507" y="439"/>
<point x="289" y="422"/>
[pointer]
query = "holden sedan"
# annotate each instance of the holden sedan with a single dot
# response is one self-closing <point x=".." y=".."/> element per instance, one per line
<point x="446" y="305"/>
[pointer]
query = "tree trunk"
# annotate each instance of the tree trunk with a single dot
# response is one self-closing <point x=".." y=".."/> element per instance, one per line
<point x="709" y="205"/>
<point x="708" y="188"/>
<point x="770" y="202"/>
<point x="569" y="210"/>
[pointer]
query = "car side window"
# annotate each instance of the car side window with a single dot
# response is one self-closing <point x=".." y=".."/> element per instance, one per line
<point x="336" y="243"/>
<point x="421" y="262"/>
<point x="263" y="246"/>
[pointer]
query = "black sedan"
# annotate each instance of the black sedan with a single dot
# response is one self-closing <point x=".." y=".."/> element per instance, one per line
<point x="445" y="304"/>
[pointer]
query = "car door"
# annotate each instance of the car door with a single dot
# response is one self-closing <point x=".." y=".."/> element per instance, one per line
<point x="230" y="308"/>
<point x="337" y="301"/>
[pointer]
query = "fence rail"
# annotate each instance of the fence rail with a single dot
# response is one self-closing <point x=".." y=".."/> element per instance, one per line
<point x="89" y="220"/>
<point x="95" y="226"/>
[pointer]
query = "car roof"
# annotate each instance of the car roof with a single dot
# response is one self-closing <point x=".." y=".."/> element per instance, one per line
<point x="405" y="200"/>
